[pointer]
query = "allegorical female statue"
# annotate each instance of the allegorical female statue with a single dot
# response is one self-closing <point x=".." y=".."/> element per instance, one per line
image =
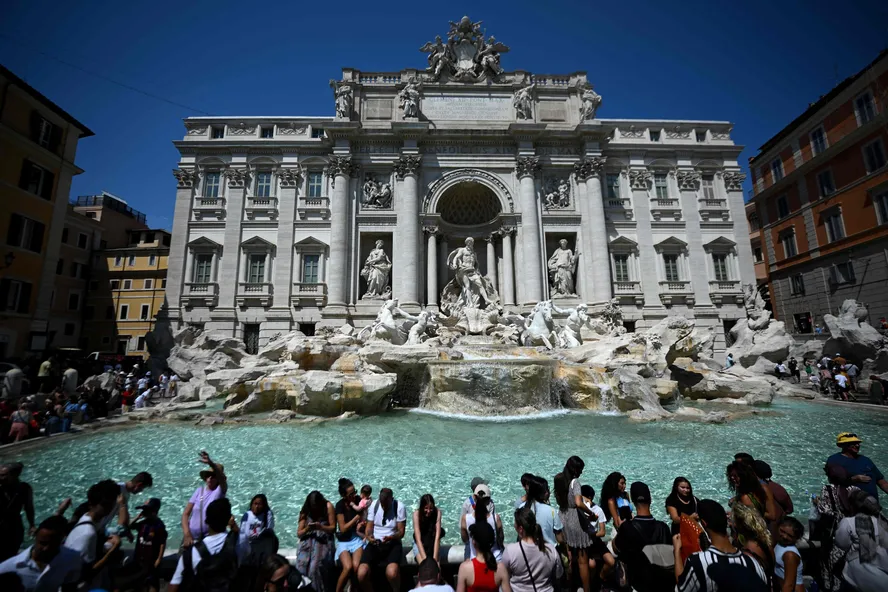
<point x="562" y="266"/>
<point x="376" y="271"/>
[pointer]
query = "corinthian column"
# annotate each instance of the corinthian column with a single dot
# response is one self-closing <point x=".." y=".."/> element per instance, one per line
<point x="407" y="250"/>
<point x="508" y="267"/>
<point x="491" y="259"/>
<point x="532" y="276"/>
<point x="341" y="168"/>
<point x="432" y="267"/>
<point x="593" y="212"/>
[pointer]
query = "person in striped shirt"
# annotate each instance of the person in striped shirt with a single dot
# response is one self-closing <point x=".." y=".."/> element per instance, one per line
<point x="720" y="567"/>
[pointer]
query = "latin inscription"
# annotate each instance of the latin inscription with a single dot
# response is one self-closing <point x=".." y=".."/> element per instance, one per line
<point x="467" y="108"/>
<point x="467" y="149"/>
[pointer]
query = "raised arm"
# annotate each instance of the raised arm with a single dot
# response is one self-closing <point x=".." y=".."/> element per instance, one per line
<point x="187" y="537"/>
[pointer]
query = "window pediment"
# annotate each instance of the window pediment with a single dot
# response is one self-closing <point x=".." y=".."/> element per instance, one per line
<point x="720" y="244"/>
<point x="623" y="244"/>
<point x="671" y="244"/>
<point x="204" y="244"/>
<point x="257" y="243"/>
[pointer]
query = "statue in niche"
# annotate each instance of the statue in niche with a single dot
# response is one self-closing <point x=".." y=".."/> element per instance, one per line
<point x="386" y="326"/>
<point x="376" y="195"/>
<point x="562" y="267"/>
<point x="409" y="99"/>
<point x="469" y="289"/>
<point x="557" y="194"/>
<point x="342" y="92"/>
<point x="522" y="100"/>
<point x="570" y="334"/>
<point x="591" y="100"/>
<point x="376" y="271"/>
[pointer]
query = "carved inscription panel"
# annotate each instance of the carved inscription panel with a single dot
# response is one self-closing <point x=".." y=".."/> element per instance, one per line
<point x="467" y="108"/>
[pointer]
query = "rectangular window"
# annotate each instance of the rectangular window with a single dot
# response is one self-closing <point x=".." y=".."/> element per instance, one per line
<point x="661" y="186"/>
<point x="69" y="329"/>
<point x="881" y="203"/>
<point x="44" y="135"/>
<point x="873" y="156"/>
<point x="613" y="186"/>
<point x="82" y="241"/>
<point x="15" y="296"/>
<point x="163" y="284"/>
<point x="789" y="245"/>
<point x="310" y="268"/>
<point x="318" y="132"/>
<point x="149" y="284"/>
<point x="782" y="207"/>
<point x="118" y="261"/>
<point x="720" y="263"/>
<point x="89" y="312"/>
<point x="797" y="284"/>
<point x="777" y="169"/>
<point x="835" y="230"/>
<point x="671" y="264"/>
<point x="621" y="268"/>
<point x="825" y="183"/>
<point x="267" y="131"/>
<point x="36" y="179"/>
<point x="655" y="135"/>
<point x="65" y="236"/>
<point x="754" y="222"/>
<point x="818" y="141"/>
<point x="758" y="255"/>
<point x="60" y="266"/>
<point x="148" y="238"/>
<point x="152" y="259"/>
<point x="708" y="184"/>
<point x="75" y="268"/>
<point x="865" y="108"/>
<point x="140" y="346"/>
<point x="263" y="184"/>
<point x="115" y="284"/>
<point x="842" y="273"/>
<point x="146" y="310"/>
<point x="217" y="132"/>
<point x="256" y="269"/>
<point x="74" y="301"/>
<point x="127" y="284"/>
<point x="25" y="233"/>
<point x="211" y="185"/>
<point x="124" y="312"/>
<point x="203" y="269"/>
<point x="701" y="137"/>
<point x="132" y="261"/>
<point x="315" y="183"/>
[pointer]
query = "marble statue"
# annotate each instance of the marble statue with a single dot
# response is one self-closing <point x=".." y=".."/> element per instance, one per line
<point x="440" y="57"/>
<point x="386" y="326"/>
<point x="342" y="92"/>
<point x="376" y="195"/>
<point x="591" y="100"/>
<point x="570" y="334"/>
<point x="469" y="289"/>
<point x="757" y="316"/>
<point x="409" y="99"/>
<point x="465" y="56"/>
<point x="557" y="194"/>
<point x="419" y="332"/>
<point x="522" y="100"/>
<point x="562" y="266"/>
<point x="540" y="329"/>
<point x="489" y="57"/>
<point x="376" y="271"/>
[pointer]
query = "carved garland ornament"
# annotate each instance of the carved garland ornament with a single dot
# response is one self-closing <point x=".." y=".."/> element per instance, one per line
<point x="640" y="179"/>
<point x="527" y="166"/>
<point x="458" y="175"/>
<point x="236" y="177"/>
<point x="241" y="129"/>
<point x="291" y="129"/>
<point x="734" y="180"/>
<point x="185" y="178"/>
<point x="677" y="133"/>
<point x="632" y="132"/>
<point x="200" y="130"/>
<point x="407" y="165"/>
<point x="688" y="180"/>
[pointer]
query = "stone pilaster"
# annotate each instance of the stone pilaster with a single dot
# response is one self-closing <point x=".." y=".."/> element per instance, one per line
<point x="527" y="168"/>
<point x="406" y="256"/>
<point x="341" y="168"/>
<point x="591" y="171"/>
<point x="508" y="267"/>
<point x="179" y="259"/>
<point x="491" y="259"/>
<point x="288" y="178"/>
<point x="229" y="278"/>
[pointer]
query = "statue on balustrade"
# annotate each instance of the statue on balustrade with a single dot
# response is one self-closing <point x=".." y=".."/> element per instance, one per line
<point x="376" y="271"/>
<point x="591" y="100"/>
<point x="342" y="92"/>
<point x="469" y="289"/>
<point x="562" y="267"/>
<point x="522" y="100"/>
<point x="409" y="99"/>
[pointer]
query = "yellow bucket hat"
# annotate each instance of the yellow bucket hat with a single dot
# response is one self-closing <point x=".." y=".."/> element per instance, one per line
<point x="847" y="438"/>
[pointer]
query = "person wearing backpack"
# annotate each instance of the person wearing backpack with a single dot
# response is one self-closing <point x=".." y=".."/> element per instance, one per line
<point x="86" y="539"/>
<point x="644" y="546"/>
<point x="386" y="522"/>
<point x="211" y="564"/>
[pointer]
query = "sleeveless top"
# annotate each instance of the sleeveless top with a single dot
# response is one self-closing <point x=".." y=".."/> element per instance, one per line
<point x="780" y="571"/>
<point x="485" y="580"/>
<point x="491" y="520"/>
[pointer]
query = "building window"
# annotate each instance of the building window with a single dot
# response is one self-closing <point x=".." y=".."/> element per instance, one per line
<point x="73" y="301"/>
<point x="149" y="284"/>
<point x="263" y="184"/>
<point x="203" y="269"/>
<point x="152" y="259"/>
<point x="256" y="269"/>
<point x="782" y="207"/>
<point x="670" y="262"/>
<point x="36" y="179"/>
<point x="621" y="267"/>
<point x="266" y="131"/>
<point x="44" y="132"/>
<point x="69" y="329"/>
<point x="60" y="266"/>
<point x="25" y="233"/>
<point x="720" y="264"/>
<point x="754" y="222"/>
<point x="132" y="261"/>
<point x="873" y="156"/>
<point x="163" y="284"/>
<point x="82" y="241"/>
<point x="124" y="312"/>
<point x="115" y="284"/>
<point x="318" y="132"/>
<point x="789" y="245"/>
<point x="118" y="261"/>
<point x="825" y="183"/>
<point x="655" y="135"/>
<point x="75" y="268"/>
<point x="307" y="329"/>
<point x="65" y="236"/>
<point x="146" y="310"/>
<point x="777" y="169"/>
<point x="140" y="344"/>
<point x="842" y="273"/>
<point x="707" y="182"/>
<point x="211" y="184"/>
<point x="864" y="108"/>
<point x="661" y="187"/>
<point x="15" y="296"/>
<point x="758" y="255"/>
<point x="797" y="284"/>
<point x="701" y="137"/>
<point x="835" y="230"/>
<point x="613" y="186"/>
<point x="315" y="183"/>
<point x="89" y="312"/>
<point x="310" y="268"/>
<point x="818" y="141"/>
<point x="127" y="284"/>
<point x="881" y="203"/>
<point x="217" y="132"/>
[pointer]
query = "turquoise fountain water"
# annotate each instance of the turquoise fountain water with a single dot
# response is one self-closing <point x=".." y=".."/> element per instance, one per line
<point x="417" y="453"/>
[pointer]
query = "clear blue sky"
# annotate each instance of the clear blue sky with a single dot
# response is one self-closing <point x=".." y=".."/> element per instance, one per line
<point x="756" y="63"/>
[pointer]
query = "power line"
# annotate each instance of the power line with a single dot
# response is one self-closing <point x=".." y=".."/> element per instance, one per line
<point x="105" y="78"/>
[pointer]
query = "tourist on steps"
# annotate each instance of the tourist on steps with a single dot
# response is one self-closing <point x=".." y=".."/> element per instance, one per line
<point x="349" y="545"/>
<point x="532" y="563"/>
<point x="482" y="573"/>
<point x="575" y="517"/>
<point x="386" y="522"/>
<point x="427" y="530"/>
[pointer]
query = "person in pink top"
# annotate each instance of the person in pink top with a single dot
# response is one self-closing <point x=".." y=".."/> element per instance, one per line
<point x="215" y="487"/>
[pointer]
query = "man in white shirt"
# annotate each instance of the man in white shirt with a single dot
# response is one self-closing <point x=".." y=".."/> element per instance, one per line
<point x="142" y="400"/>
<point x="386" y="520"/>
<point x="85" y="537"/>
<point x="218" y="541"/>
<point x="46" y="565"/>
<point x="429" y="577"/>
<point x="142" y="384"/>
<point x="136" y="485"/>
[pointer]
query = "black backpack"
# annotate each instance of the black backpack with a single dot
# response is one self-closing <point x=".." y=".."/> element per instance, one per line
<point x="214" y="572"/>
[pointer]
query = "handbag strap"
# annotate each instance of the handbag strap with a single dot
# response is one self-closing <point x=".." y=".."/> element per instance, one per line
<point x="527" y="563"/>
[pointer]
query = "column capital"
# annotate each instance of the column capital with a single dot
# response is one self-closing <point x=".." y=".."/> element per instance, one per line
<point x="733" y="180"/>
<point x="237" y="176"/>
<point x="504" y="231"/>
<point x="431" y="231"/>
<point x="342" y="166"/>
<point x="589" y="167"/>
<point x="688" y="180"/>
<point x="408" y="164"/>
<point x="185" y="178"/>
<point x="527" y="166"/>
<point x="640" y="179"/>
<point x="290" y="176"/>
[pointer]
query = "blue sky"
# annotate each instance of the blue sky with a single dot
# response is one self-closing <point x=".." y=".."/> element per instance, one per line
<point x="755" y="63"/>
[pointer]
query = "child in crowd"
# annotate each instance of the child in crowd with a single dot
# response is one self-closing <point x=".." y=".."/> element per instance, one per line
<point x="362" y="505"/>
<point x="151" y="539"/>
<point x="600" y="556"/>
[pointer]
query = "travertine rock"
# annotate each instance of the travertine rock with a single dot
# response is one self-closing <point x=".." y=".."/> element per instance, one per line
<point x="749" y="347"/>
<point x="851" y="335"/>
<point x="698" y="381"/>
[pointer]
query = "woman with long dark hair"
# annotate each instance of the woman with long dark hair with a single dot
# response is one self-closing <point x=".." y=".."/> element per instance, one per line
<point x="548" y="519"/>
<point x="427" y="531"/>
<point x="481" y="514"/>
<point x="749" y="491"/>
<point x="314" y="557"/>
<point x="532" y="563"/>
<point x="277" y="575"/>
<point x="681" y="502"/>
<point x="575" y="516"/>
<point x="349" y="544"/>
<point x="257" y="526"/>
<point x="482" y="573"/>
<point x="615" y="500"/>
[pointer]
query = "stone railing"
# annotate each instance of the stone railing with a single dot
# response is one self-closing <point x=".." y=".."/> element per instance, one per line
<point x="213" y="207"/>
<point x="629" y="292"/>
<point x="723" y="290"/>
<point x="316" y="207"/>
<point x="670" y="291"/>
<point x="264" y="206"/>
<point x="665" y="207"/>
<point x="618" y="206"/>
<point x="313" y="293"/>
<point x="201" y="294"/>
<point x="254" y="292"/>
<point x="714" y="208"/>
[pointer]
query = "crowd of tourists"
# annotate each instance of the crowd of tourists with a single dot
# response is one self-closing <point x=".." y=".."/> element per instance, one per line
<point x="536" y="544"/>
<point x="831" y="376"/>
<point x="60" y="400"/>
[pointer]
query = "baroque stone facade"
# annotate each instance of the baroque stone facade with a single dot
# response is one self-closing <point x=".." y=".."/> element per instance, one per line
<point x="277" y="217"/>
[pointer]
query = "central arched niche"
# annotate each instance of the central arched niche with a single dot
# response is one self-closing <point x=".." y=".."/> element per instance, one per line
<point x="469" y="204"/>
